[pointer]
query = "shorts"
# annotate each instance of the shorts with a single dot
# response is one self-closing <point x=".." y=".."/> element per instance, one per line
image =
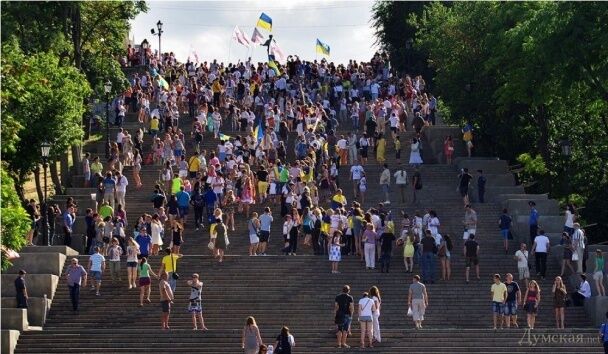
<point x="195" y="306"/>
<point x="505" y="234"/>
<point x="192" y="174"/>
<point x="96" y="275"/>
<point x="264" y="236"/>
<point x="343" y="322"/>
<point x="262" y="187"/>
<point x="394" y="129"/>
<point x="183" y="211"/>
<point x="498" y="307"/>
<point x="165" y="305"/>
<point x="131" y="264"/>
<point x="510" y="308"/>
<point x="143" y="281"/>
<point x="524" y="273"/>
<point x="253" y="239"/>
<point x="87" y="176"/>
<point x="471" y="261"/>
<point x="599" y="276"/>
<point x="183" y="173"/>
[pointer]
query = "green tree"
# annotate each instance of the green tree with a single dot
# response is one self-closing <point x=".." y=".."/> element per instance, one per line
<point x="45" y="99"/>
<point x="15" y="222"/>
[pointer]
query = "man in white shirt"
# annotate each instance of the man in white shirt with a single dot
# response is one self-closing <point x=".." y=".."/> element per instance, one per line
<point x="401" y="182"/>
<point x="119" y="136"/>
<point x="540" y="249"/>
<point x="121" y="189"/>
<point x="578" y="246"/>
<point x="342" y="145"/>
<point x="97" y="265"/>
<point x="394" y="123"/>
<point x="356" y="172"/>
<point x="583" y="292"/>
<point x="522" y="263"/>
<point x="385" y="182"/>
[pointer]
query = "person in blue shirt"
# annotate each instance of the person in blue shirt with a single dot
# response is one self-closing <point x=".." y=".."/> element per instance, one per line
<point x="533" y="221"/>
<point x="68" y="225"/>
<point x="604" y="333"/>
<point x="210" y="203"/>
<point x="183" y="202"/>
<point x="144" y="241"/>
<point x="265" y="223"/>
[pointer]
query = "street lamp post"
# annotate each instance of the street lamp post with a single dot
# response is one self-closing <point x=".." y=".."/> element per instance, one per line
<point x="144" y="51"/>
<point x="107" y="88"/>
<point x="45" y="149"/>
<point x="566" y="153"/>
<point x="159" y="27"/>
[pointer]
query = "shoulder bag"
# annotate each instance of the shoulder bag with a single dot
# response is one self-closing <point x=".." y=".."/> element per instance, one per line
<point x="175" y="275"/>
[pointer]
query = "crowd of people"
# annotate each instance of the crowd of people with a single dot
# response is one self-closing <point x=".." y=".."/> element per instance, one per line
<point x="259" y="165"/>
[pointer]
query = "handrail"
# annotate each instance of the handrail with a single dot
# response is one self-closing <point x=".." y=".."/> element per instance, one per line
<point x="45" y="310"/>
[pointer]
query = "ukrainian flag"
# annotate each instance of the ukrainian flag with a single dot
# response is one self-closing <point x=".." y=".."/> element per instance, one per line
<point x="322" y="48"/>
<point x="224" y="137"/>
<point x="258" y="132"/>
<point x="273" y="65"/>
<point x="265" y="22"/>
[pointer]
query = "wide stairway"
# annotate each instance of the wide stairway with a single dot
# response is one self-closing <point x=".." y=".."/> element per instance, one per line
<point x="298" y="291"/>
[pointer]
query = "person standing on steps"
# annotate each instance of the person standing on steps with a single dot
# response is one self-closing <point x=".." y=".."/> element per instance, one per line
<point x="513" y="298"/>
<point x="498" y="293"/>
<point x="540" y="249"/>
<point x="523" y="269"/>
<point x="285" y="342"/>
<point x="401" y="182"/>
<point x="481" y="186"/>
<point x="374" y="293"/>
<point x="504" y="224"/>
<point x="97" y="265"/>
<point x="21" y="290"/>
<point x="427" y="263"/>
<point x="469" y="221"/>
<point x="121" y="188"/>
<point x="598" y="272"/>
<point x="335" y="251"/>
<point x="253" y="226"/>
<point x="578" y="248"/>
<point x="144" y="271"/>
<point x="220" y="235"/>
<point x="369" y="238"/>
<point x="265" y="223"/>
<point x="343" y="312"/>
<point x="533" y="221"/>
<point x="386" y="245"/>
<point x="76" y="276"/>
<point x="559" y="301"/>
<point x="417" y="300"/>
<point x="531" y="301"/>
<point x="169" y="265"/>
<point x="251" y="340"/>
<point x="166" y="300"/>
<point x="385" y="183"/>
<point x="132" y="253"/>
<point x="604" y="333"/>
<point x="467" y="136"/>
<point x="415" y="149"/>
<point x="114" y="253"/>
<point x="356" y="172"/>
<point x="463" y="185"/>
<point x="195" y="306"/>
<point x="416" y="184"/>
<point x="471" y="254"/>
<point x="367" y="306"/>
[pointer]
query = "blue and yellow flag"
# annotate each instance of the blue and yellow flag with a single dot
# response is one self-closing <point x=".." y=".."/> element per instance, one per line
<point x="163" y="83"/>
<point x="273" y="65"/>
<point x="258" y="132"/>
<point x="224" y="137"/>
<point x="322" y="48"/>
<point x="265" y="22"/>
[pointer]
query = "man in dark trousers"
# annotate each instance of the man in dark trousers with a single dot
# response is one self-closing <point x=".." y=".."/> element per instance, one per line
<point x="21" y="290"/>
<point x="481" y="186"/>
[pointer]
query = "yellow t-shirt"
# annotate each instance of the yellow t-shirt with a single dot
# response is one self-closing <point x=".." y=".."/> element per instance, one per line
<point x="154" y="123"/>
<point x="175" y="184"/>
<point x="498" y="292"/>
<point x="341" y="199"/>
<point x="168" y="263"/>
<point x="194" y="164"/>
<point x="397" y="145"/>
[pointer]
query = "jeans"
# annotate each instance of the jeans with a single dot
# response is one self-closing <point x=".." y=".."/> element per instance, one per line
<point x="541" y="263"/>
<point x="533" y="233"/>
<point x="293" y="243"/>
<point x="370" y="255"/>
<point x="172" y="281"/>
<point x="428" y="266"/>
<point x="120" y="197"/>
<point x="481" y="193"/>
<point x="198" y="216"/>
<point x="385" y="260"/>
<point x="315" y="243"/>
<point x="74" y="295"/>
<point x="385" y="189"/>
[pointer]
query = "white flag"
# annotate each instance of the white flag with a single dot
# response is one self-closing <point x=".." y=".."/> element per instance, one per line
<point x="240" y="37"/>
<point x="257" y="37"/>
<point x="277" y="52"/>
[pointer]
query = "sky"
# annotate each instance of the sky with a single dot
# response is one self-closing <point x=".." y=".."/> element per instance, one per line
<point x="207" y="26"/>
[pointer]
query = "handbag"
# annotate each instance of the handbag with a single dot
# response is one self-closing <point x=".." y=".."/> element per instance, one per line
<point x="510" y="235"/>
<point x="174" y="275"/>
<point x="409" y="312"/>
<point x="211" y="245"/>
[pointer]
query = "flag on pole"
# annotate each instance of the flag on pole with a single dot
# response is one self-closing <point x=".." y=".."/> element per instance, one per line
<point x="258" y="132"/>
<point x="257" y="37"/>
<point x="265" y="22"/>
<point x="240" y="37"/>
<point x="278" y="53"/>
<point x="322" y="48"/>
<point x="273" y="65"/>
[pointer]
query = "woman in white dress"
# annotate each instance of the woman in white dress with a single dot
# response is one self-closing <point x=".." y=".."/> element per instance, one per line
<point x="157" y="229"/>
<point x="374" y="293"/>
<point x="415" y="158"/>
<point x="362" y="187"/>
<point x="335" y="251"/>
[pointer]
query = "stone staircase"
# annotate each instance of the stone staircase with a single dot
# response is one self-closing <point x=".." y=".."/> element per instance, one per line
<point x="298" y="291"/>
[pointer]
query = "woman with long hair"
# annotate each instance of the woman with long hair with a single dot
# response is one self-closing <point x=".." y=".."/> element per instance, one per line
<point x="567" y="256"/>
<point x="220" y="235"/>
<point x="335" y="251"/>
<point x="157" y="239"/>
<point x="253" y="225"/>
<point x="448" y="149"/>
<point x="230" y="203"/>
<point x="366" y="308"/>
<point x="132" y="252"/>
<point x="144" y="271"/>
<point x="251" y="338"/>
<point x="444" y="253"/>
<point x="137" y="160"/>
<point x="374" y="293"/>
<point x="531" y="301"/>
<point x="285" y="342"/>
<point x="177" y="235"/>
<point x="559" y="301"/>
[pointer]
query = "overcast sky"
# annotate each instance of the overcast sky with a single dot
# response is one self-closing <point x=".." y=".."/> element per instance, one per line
<point x="207" y="26"/>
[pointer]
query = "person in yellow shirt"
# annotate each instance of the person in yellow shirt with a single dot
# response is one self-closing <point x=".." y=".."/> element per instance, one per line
<point x="169" y="264"/>
<point x="194" y="165"/>
<point x="498" y="291"/>
<point x="176" y="183"/>
<point x="338" y="200"/>
<point x="154" y="124"/>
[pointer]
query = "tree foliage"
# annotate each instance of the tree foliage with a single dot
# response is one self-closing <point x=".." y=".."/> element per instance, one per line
<point x="15" y="222"/>
<point x="529" y="75"/>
